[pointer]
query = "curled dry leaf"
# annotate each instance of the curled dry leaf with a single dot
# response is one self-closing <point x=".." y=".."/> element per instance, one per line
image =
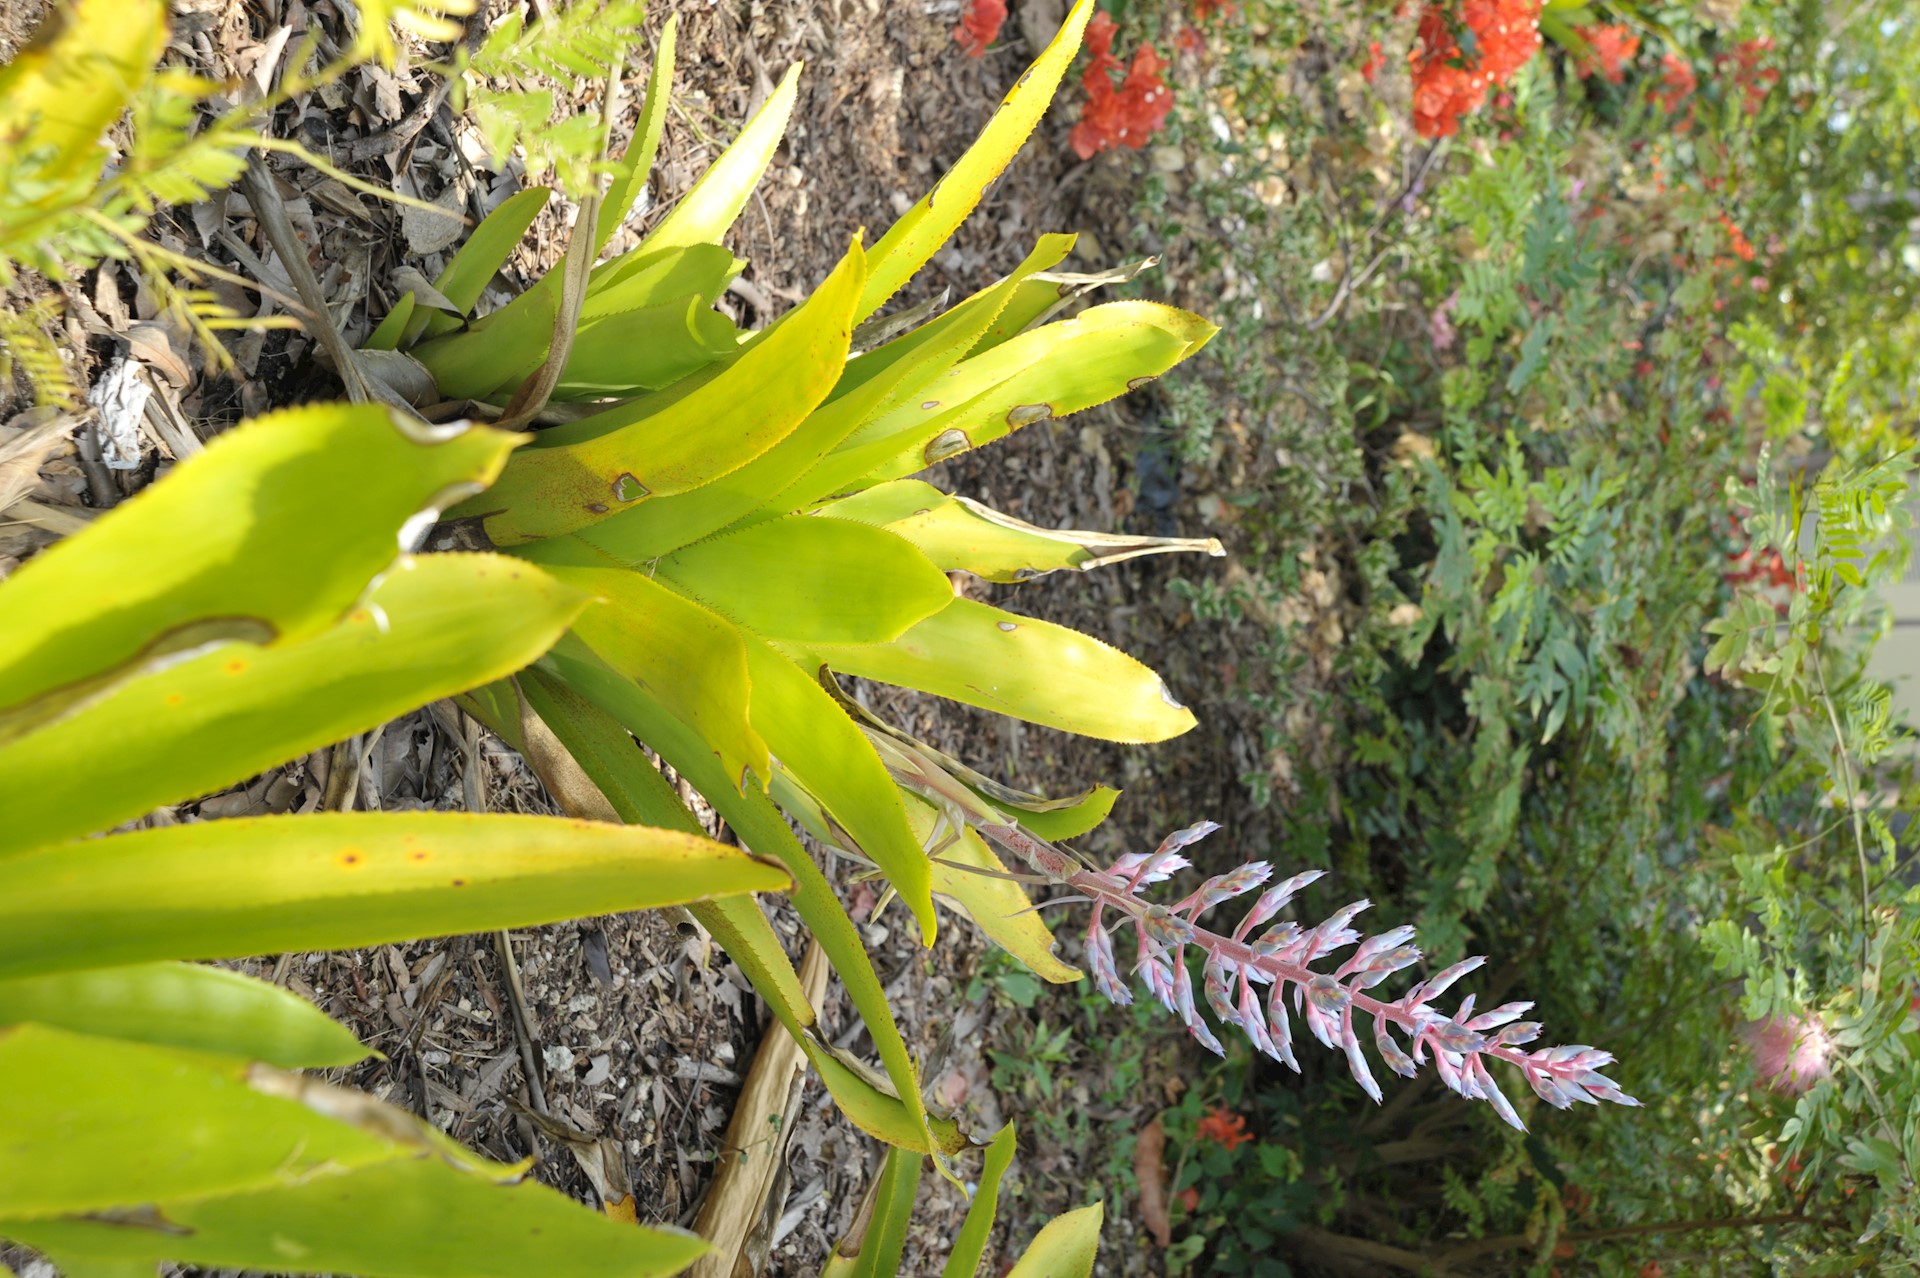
<point x="1150" y="1172"/>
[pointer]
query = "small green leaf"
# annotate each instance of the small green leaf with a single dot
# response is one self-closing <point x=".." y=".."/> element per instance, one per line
<point x="489" y="247"/>
<point x="1020" y="666"/>
<point x="692" y="434"/>
<point x="263" y="885"/>
<point x="811" y="579"/>
<point x="970" y="1245"/>
<point x="882" y="1239"/>
<point x="225" y="548"/>
<point x="918" y="235"/>
<point x="393" y="327"/>
<point x="1065" y="1248"/>
<point x="645" y="349"/>
<point x="204" y="1009"/>
<point x="436" y="625"/>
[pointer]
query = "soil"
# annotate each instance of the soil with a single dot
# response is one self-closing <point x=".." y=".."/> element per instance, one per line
<point x="640" y="1032"/>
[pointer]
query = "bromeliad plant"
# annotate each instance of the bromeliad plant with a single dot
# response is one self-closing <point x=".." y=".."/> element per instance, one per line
<point x="740" y="504"/>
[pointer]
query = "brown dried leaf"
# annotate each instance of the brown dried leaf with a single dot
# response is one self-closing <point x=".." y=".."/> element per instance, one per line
<point x="1150" y="1171"/>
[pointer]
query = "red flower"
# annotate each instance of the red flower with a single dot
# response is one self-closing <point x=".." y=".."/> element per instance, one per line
<point x="1450" y="79"/>
<point x="1224" y="1127"/>
<point x="1609" y="48"/>
<point x="1375" y="60"/>
<point x="1753" y="80"/>
<point x="1126" y="114"/>
<point x="1205" y="9"/>
<point x="1737" y="238"/>
<point x="1677" y="83"/>
<point x="981" y="26"/>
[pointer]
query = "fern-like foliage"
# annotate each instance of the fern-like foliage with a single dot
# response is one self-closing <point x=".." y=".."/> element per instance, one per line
<point x="95" y="138"/>
<point x="588" y="40"/>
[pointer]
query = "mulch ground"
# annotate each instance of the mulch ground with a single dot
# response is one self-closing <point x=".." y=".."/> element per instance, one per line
<point x="640" y="1032"/>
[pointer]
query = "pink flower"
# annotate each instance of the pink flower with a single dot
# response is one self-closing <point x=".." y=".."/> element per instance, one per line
<point x="1789" y="1052"/>
<point x="1439" y="327"/>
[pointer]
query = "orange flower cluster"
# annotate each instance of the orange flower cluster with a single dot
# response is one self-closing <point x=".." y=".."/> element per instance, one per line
<point x="1610" y="47"/>
<point x="1677" y="83"/>
<point x="1451" y="75"/>
<point x="981" y="26"/>
<point x="1224" y="1127"/>
<point x="1126" y="114"/>
<point x="1737" y="238"/>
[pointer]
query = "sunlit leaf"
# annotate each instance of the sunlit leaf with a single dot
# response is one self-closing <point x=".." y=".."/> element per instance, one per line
<point x="185" y="1005"/>
<point x="339" y="881"/>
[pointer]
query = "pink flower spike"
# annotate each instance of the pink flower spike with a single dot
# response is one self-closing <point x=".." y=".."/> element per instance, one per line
<point x="1215" y="987"/>
<point x="1186" y="838"/>
<point x="1499" y="1016"/>
<point x="1278" y="1027"/>
<point x="1273" y="900"/>
<point x="1493" y="1095"/>
<point x="1463" y="1045"/>
<point x="1106" y="974"/>
<point x="1356" y="1060"/>
<point x="1440" y="981"/>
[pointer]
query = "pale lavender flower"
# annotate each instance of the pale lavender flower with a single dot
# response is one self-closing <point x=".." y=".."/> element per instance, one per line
<point x="1333" y="1002"/>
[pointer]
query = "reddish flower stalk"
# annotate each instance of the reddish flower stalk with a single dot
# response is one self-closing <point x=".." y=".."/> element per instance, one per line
<point x="1282" y="957"/>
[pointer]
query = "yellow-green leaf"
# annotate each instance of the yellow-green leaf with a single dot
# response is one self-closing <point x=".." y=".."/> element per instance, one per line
<point x="918" y="235"/>
<point x="1023" y="667"/>
<point x="706" y="212"/>
<point x="393" y="327"/>
<point x="961" y="535"/>
<point x="489" y="247"/>
<point x="179" y="1156"/>
<point x="421" y="1218"/>
<point x="261" y="885"/>
<point x="689" y="659"/>
<point x="826" y="752"/>
<point x="811" y="579"/>
<point x="64" y="90"/>
<point x="874" y="383"/>
<point x="970" y="1244"/>
<point x="760" y="826"/>
<point x="630" y="177"/>
<point x="1041" y="375"/>
<point x="186" y="1005"/>
<point x="92" y="1124"/>
<point x="693" y="435"/>
<point x="268" y="536"/>
<point x="434" y="626"/>
<point x="1065" y="1248"/>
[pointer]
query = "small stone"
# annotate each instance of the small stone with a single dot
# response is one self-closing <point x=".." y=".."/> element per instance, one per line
<point x="559" y="1058"/>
